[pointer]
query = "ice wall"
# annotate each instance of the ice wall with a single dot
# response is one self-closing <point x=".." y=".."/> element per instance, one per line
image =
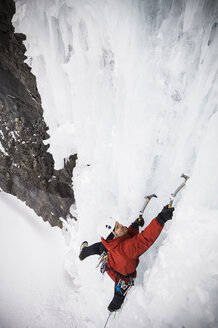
<point x="131" y="86"/>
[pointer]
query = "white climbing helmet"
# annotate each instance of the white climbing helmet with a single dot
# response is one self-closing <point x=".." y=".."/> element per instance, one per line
<point x="105" y="227"/>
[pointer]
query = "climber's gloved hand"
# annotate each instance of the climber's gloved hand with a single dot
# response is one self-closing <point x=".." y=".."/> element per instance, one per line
<point x="165" y="215"/>
<point x="138" y="222"/>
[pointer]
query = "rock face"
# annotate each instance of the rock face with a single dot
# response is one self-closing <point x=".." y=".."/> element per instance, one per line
<point x="26" y="167"/>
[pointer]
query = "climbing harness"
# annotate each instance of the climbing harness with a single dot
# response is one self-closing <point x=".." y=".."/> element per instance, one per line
<point x="118" y="274"/>
<point x="103" y="260"/>
<point x="122" y="288"/>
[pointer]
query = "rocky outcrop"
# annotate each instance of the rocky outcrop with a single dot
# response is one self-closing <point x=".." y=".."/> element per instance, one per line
<point x="26" y="167"/>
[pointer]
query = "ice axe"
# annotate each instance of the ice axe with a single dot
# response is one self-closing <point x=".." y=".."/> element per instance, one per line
<point x="173" y="195"/>
<point x="147" y="200"/>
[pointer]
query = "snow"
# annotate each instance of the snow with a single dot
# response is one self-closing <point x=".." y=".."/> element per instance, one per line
<point x="33" y="283"/>
<point x="131" y="86"/>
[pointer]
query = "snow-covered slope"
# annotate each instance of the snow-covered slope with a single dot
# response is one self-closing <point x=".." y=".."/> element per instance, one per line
<point x="131" y="86"/>
<point x="34" y="287"/>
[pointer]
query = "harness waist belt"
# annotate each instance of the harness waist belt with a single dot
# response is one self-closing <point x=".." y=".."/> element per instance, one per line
<point x="120" y="274"/>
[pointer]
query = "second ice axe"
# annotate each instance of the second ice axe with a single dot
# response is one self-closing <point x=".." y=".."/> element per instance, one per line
<point x="147" y="200"/>
<point x="173" y="195"/>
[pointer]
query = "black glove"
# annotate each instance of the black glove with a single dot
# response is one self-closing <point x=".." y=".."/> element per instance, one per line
<point x="165" y="215"/>
<point x="138" y="222"/>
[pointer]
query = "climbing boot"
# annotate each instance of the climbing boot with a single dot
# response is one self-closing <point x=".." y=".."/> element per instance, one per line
<point x="83" y="245"/>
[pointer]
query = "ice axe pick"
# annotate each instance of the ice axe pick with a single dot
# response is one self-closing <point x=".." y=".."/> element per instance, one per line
<point x="173" y="195"/>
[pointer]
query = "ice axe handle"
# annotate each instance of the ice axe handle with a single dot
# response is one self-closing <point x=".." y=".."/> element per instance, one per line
<point x="170" y="204"/>
<point x="147" y="200"/>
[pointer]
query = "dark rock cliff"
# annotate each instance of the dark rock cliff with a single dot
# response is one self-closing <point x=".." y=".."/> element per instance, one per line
<point x="26" y="167"/>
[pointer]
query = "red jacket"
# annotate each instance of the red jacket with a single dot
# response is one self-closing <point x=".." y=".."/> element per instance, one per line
<point x="125" y="250"/>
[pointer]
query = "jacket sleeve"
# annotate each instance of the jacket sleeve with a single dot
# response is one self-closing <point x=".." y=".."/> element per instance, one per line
<point x="137" y="245"/>
<point x="132" y="231"/>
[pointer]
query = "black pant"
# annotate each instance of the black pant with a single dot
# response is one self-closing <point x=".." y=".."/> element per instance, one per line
<point x="97" y="248"/>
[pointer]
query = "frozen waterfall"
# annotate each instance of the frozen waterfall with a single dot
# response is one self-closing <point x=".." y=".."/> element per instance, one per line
<point x="132" y="88"/>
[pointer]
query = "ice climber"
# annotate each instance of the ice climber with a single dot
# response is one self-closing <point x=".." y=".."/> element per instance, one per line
<point x="121" y="250"/>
